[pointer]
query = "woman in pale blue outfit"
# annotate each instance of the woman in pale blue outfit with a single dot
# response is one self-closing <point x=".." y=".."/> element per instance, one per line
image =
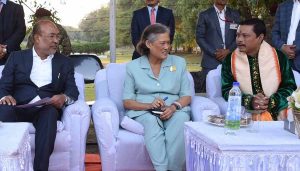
<point x="159" y="80"/>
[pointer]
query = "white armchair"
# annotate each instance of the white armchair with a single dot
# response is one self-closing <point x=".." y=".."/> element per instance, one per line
<point x="122" y="147"/>
<point x="70" y="143"/>
<point x="214" y="87"/>
<point x="214" y="90"/>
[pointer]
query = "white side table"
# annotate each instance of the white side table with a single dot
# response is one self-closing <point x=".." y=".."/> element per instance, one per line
<point x="272" y="148"/>
<point x="15" y="151"/>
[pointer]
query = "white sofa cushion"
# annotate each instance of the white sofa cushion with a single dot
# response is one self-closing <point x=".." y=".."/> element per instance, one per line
<point x="132" y="125"/>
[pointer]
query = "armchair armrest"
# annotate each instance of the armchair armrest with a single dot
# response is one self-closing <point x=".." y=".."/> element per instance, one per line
<point x="106" y="121"/>
<point x="203" y="106"/>
<point x="222" y="103"/>
<point x="106" y="105"/>
<point x="79" y="110"/>
<point x="76" y="118"/>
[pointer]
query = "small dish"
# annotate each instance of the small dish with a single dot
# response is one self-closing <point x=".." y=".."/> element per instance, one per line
<point x="219" y="120"/>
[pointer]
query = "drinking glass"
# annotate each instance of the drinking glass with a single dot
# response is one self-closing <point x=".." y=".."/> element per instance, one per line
<point x="253" y="119"/>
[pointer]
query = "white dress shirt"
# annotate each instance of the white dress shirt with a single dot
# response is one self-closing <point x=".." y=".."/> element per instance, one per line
<point x="222" y="20"/>
<point x="294" y="22"/>
<point x="41" y="72"/>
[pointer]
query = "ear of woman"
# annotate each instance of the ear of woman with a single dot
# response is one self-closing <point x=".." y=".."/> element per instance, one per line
<point x="148" y="43"/>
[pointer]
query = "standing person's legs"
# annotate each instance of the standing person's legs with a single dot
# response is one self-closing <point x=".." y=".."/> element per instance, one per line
<point x="296" y="63"/>
<point x="155" y="140"/>
<point x="203" y="75"/>
<point x="45" y="123"/>
<point x="175" y="140"/>
<point x="8" y="113"/>
<point x="200" y="80"/>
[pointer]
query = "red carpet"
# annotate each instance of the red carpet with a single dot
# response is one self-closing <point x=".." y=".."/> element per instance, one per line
<point x="92" y="162"/>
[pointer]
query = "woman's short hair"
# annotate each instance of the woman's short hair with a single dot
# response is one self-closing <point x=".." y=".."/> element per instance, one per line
<point x="150" y="33"/>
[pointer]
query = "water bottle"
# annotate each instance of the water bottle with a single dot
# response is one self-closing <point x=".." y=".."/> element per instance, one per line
<point x="233" y="114"/>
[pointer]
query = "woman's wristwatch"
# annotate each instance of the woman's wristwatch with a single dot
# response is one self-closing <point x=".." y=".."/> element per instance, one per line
<point x="177" y="105"/>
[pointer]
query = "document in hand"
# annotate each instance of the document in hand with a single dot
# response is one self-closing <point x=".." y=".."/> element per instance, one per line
<point x="42" y="102"/>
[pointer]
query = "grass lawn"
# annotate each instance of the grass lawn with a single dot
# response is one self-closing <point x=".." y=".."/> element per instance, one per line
<point x="124" y="55"/>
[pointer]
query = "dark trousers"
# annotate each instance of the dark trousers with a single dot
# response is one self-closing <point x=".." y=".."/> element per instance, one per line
<point x="200" y="80"/>
<point x="44" y="120"/>
<point x="295" y="64"/>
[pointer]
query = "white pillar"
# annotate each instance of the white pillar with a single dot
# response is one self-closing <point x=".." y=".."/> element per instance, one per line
<point x="112" y="30"/>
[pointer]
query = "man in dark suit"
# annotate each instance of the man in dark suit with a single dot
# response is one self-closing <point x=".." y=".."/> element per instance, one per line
<point x="215" y="34"/>
<point x="12" y="28"/>
<point x="34" y="74"/>
<point x="152" y="13"/>
<point x="286" y="31"/>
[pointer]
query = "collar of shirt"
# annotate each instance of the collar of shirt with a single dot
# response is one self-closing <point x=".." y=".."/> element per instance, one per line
<point x="218" y="11"/>
<point x="149" y="10"/>
<point x="144" y="62"/>
<point x="297" y="1"/>
<point x="35" y="55"/>
<point x="3" y="1"/>
<point x="222" y="22"/>
<point x="41" y="71"/>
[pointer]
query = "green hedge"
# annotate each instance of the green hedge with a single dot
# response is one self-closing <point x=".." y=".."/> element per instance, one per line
<point x="89" y="47"/>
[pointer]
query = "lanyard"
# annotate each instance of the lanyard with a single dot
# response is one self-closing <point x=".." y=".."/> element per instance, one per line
<point x="225" y="19"/>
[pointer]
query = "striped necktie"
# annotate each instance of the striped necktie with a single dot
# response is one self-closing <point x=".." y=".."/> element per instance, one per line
<point x="1" y="5"/>
<point x="152" y="16"/>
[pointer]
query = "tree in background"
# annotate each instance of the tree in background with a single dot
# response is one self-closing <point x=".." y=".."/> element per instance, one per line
<point x="123" y="23"/>
<point x="92" y="36"/>
<point x="95" y="26"/>
<point x="186" y="14"/>
<point x="187" y="11"/>
<point x="74" y="33"/>
<point x="36" y="5"/>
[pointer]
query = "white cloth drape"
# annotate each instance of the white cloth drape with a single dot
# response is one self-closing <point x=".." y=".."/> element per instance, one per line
<point x="15" y="150"/>
<point x="272" y="148"/>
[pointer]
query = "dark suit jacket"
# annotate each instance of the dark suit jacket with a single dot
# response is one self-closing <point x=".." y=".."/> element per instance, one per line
<point x="141" y="20"/>
<point x="16" y="80"/>
<point x="209" y="36"/>
<point x="281" y="29"/>
<point x="12" y="27"/>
